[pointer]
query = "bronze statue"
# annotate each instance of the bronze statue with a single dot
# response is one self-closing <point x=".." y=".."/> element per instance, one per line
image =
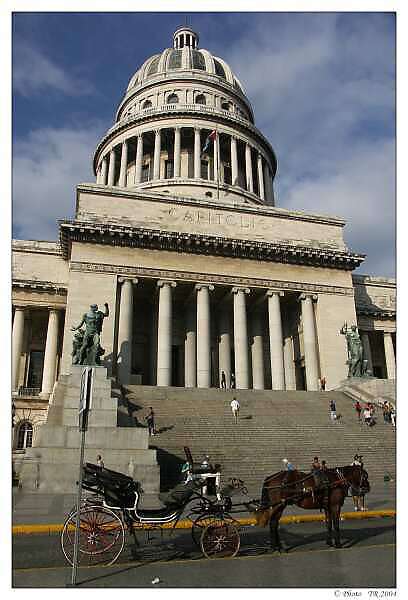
<point x="86" y="348"/>
<point x="354" y="351"/>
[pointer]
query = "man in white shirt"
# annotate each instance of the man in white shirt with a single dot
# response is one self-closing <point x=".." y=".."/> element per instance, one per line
<point x="235" y="409"/>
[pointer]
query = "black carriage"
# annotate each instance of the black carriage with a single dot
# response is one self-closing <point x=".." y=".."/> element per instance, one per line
<point x="112" y="508"/>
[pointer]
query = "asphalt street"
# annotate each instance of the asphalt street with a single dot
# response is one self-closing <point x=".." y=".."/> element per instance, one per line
<point x="308" y="562"/>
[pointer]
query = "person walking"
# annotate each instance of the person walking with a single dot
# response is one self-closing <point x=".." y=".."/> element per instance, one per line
<point x="333" y="414"/>
<point x="323" y="383"/>
<point x="235" y="409"/>
<point x="223" y="381"/>
<point x="99" y="462"/>
<point x="150" y="421"/>
<point x="357" y="496"/>
<point x="358" y="409"/>
<point x="232" y="381"/>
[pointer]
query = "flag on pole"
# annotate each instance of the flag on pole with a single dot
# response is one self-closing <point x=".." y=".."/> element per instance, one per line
<point x="210" y="138"/>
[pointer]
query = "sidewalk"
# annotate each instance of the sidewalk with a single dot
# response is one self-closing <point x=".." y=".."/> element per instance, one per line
<point x="51" y="509"/>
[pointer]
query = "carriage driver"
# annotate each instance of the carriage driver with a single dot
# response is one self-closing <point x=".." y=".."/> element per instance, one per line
<point x="203" y="473"/>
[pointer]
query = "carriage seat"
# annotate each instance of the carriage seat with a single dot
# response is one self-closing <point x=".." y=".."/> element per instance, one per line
<point x="197" y="468"/>
<point x="179" y="495"/>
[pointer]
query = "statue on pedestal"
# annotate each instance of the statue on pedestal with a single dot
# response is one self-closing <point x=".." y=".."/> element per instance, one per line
<point x="86" y="348"/>
<point x="355" y="361"/>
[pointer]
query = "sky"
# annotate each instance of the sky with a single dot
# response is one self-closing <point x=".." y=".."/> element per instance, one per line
<point x="322" y="86"/>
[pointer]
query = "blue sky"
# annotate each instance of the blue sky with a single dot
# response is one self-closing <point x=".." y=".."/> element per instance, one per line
<point x="322" y="86"/>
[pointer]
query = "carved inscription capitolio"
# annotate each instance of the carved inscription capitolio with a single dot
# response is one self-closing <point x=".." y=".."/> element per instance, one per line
<point x="206" y="218"/>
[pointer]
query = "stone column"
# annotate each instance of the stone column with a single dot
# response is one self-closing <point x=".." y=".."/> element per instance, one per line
<point x="111" y="172"/>
<point x="197" y="153"/>
<point x="234" y="161"/>
<point x="290" y="377"/>
<point x="190" y="345"/>
<point x="177" y="151"/>
<point x="276" y="340"/>
<point x="224" y="345"/>
<point x="367" y="350"/>
<point x="123" y="164"/>
<point x="261" y="178"/>
<point x="17" y="345"/>
<point x="216" y="157"/>
<point x="50" y="355"/>
<point x="310" y="342"/>
<point x="157" y="150"/>
<point x="258" y="371"/>
<point x="164" y="332"/>
<point x="139" y="158"/>
<point x="104" y="170"/>
<point x="125" y="330"/>
<point x="203" y="335"/>
<point x="389" y="355"/>
<point x="241" y="338"/>
<point x="248" y="168"/>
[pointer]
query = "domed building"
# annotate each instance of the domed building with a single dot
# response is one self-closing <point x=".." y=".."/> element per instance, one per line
<point x="202" y="272"/>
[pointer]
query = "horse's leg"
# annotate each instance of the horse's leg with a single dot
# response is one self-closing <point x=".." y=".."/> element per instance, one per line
<point x="274" y="529"/>
<point x="328" y="516"/>
<point x="336" y="525"/>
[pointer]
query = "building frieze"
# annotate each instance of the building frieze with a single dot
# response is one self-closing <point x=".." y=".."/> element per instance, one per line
<point x="192" y="277"/>
<point x="116" y="235"/>
<point x="40" y="286"/>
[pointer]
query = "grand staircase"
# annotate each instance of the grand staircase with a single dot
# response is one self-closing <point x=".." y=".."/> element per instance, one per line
<point x="272" y="425"/>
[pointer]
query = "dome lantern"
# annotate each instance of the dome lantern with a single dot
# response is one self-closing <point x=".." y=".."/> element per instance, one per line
<point x="185" y="37"/>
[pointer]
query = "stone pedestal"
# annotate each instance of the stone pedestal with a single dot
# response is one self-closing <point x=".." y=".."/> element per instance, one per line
<point x="51" y="466"/>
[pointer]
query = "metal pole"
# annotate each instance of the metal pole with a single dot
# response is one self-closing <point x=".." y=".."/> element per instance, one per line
<point x="78" y="506"/>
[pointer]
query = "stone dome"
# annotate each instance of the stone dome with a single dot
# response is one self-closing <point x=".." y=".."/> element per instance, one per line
<point x="184" y="56"/>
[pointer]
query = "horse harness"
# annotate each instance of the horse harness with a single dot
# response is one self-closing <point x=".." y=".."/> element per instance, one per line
<point x="305" y="491"/>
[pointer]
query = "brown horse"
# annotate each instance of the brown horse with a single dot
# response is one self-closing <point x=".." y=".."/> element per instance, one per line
<point x="294" y="487"/>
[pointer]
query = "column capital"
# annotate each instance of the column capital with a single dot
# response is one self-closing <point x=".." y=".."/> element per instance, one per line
<point x="21" y="307"/>
<point x="200" y="286"/>
<point x="139" y="135"/>
<point x="53" y="309"/>
<point x="305" y="295"/>
<point x="157" y="132"/>
<point x="177" y="127"/>
<point x="133" y="280"/>
<point x="197" y="129"/>
<point x="162" y="282"/>
<point x="237" y="289"/>
<point x="272" y="292"/>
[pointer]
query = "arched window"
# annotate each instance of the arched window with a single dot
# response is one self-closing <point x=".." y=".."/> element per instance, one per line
<point x="25" y="435"/>
<point x="172" y="99"/>
<point x="226" y="106"/>
<point x="146" y="104"/>
<point x="200" y="99"/>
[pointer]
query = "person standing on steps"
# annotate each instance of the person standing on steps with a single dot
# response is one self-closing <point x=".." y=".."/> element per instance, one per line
<point x="323" y="383"/>
<point x="99" y="462"/>
<point x="223" y="381"/>
<point x="150" y="421"/>
<point x="235" y="409"/>
<point x="333" y="414"/>
<point x="358" y="408"/>
<point x="232" y="386"/>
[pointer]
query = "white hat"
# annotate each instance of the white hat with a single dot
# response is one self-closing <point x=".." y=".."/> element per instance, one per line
<point x="285" y="460"/>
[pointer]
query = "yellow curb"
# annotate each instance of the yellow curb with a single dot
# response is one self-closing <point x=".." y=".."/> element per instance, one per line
<point x="186" y="523"/>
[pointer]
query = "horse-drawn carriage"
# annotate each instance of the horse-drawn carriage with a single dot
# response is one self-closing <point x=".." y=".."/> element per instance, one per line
<point x="113" y="506"/>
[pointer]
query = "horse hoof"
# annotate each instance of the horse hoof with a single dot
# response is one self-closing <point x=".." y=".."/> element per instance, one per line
<point x="329" y="543"/>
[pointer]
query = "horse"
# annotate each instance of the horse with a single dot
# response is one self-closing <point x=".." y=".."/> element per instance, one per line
<point x="295" y="487"/>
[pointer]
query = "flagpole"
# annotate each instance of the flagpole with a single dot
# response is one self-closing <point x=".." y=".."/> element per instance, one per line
<point x="217" y="150"/>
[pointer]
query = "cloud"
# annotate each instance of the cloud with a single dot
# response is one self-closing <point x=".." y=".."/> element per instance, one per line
<point x="323" y="92"/>
<point x="32" y="72"/>
<point x="47" y="166"/>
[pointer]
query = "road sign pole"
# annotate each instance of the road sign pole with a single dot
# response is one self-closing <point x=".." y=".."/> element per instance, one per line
<point x="85" y="402"/>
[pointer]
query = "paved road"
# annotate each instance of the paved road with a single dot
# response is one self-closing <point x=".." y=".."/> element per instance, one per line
<point x="38" y="562"/>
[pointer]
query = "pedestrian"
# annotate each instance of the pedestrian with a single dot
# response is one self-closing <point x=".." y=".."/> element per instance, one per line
<point x="386" y="412"/>
<point x="323" y="383"/>
<point x="235" y="408"/>
<point x="333" y="414"/>
<point x="223" y="381"/>
<point x="288" y="465"/>
<point x="232" y="381"/>
<point x="368" y="419"/>
<point x="358" y="497"/>
<point x="358" y="408"/>
<point x="393" y="416"/>
<point x="99" y="462"/>
<point x="150" y="421"/>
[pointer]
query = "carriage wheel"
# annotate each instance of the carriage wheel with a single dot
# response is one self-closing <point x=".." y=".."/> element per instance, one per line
<point x="101" y="536"/>
<point x="220" y="540"/>
<point x="201" y="522"/>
